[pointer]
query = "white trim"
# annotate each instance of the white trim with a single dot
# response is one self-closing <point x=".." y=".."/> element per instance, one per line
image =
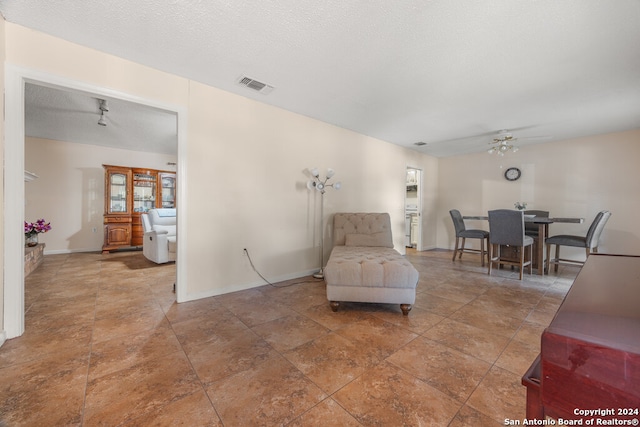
<point x="419" y="243"/>
<point x="3" y="337"/>
<point x="181" y="194"/>
<point x="420" y="203"/>
<point x="15" y="79"/>
<point x="72" y="251"/>
<point x="14" y="203"/>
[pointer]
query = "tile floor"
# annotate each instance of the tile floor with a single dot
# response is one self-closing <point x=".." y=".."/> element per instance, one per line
<point x="106" y="344"/>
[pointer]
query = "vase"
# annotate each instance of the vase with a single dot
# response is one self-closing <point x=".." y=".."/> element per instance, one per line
<point x="31" y="240"/>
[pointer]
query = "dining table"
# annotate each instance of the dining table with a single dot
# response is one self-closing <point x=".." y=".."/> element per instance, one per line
<point x="543" y="231"/>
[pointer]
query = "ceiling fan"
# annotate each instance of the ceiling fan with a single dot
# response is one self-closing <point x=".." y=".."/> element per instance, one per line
<point x="503" y="142"/>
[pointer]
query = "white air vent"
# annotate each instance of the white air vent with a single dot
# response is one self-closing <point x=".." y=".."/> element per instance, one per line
<point x="263" y="88"/>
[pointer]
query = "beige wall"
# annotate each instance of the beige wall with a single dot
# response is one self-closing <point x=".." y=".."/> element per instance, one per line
<point x="573" y="178"/>
<point x="2" y="59"/>
<point x="244" y="169"/>
<point x="251" y="159"/>
<point x="38" y="51"/>
<point x="70" y="189"/>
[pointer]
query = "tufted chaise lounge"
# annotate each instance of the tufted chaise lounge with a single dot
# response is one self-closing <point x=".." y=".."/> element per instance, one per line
<point x="364" y="267"/>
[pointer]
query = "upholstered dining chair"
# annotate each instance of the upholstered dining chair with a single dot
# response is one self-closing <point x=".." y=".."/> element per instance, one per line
<point x="589" y="242"/>
<point x="531" y="228"/>
<point x="506" y="228"/>
<point x="464" y="234"/>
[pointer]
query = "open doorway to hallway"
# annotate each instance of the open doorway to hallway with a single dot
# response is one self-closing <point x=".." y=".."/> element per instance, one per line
<point x="413" y="209"/>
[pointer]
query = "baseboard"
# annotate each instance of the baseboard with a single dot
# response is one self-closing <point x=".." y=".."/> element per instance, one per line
<point x="427" y="248"/>
<point x="249" y="285"/>
<point x="67" y="251"/>
<point x="86" y="250"/>
<point x="3" y="337"/>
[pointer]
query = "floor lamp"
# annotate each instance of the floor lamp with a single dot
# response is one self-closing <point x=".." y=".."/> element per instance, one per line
<point x="321" y="185"/>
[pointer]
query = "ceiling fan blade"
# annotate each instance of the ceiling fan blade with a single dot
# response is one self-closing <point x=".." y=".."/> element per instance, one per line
<point x="493" y="133"/>
<point x="537" y="137"/>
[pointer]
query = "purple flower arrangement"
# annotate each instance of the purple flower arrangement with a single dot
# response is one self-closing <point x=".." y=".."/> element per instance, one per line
<point x="40" y="226"/>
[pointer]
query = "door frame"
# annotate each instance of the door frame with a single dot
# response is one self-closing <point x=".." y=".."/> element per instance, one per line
<point x="14" y="147"/>
<point x="420" y="173"/>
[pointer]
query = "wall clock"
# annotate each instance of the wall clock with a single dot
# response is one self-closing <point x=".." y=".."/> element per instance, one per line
<point x="512" y="174"/>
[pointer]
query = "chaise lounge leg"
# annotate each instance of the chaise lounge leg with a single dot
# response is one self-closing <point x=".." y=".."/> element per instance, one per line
<point x="406" y="308"/>
<point x="334" y="305"/>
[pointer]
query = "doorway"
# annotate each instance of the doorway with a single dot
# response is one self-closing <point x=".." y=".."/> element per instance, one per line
<point x="413" y="209"/>
<point x="14" y="150"/>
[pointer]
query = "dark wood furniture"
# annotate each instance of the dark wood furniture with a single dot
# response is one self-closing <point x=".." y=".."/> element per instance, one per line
<point x="590" y="353"/>
<point x="130" y="192"/>
<point x="117" y="207"/>
<point x="512" y="253"/>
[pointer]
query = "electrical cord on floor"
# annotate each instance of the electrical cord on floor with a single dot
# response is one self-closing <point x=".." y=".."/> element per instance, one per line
<point x="263" y="278"/>
<point x="254" y="267"/>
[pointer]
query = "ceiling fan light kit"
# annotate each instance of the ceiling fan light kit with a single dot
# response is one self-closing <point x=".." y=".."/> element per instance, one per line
<point x="102" y="121"/>
<point x="503" y="143"/>
<point x="502" y="148"/>
<point x="104" y="107"/>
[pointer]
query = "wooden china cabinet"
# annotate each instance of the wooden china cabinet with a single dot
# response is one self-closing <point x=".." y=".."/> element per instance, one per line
<point x="130" y="192"/>
<point x="117" y="207"/>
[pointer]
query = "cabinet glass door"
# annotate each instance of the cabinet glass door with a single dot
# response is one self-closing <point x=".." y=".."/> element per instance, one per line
<point x="118" y="193"/>
<point x="168" y="190"/>
<point x="144" y="192"/>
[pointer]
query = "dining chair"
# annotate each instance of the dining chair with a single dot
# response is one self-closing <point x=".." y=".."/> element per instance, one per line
<point x="589" y="242"/>
<point x="530" y="228"/>
<point x="506" y="228"/>
<point x="463" y="233"/>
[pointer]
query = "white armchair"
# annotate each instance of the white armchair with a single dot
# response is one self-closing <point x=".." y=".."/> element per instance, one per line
<point x="159" y="244"/>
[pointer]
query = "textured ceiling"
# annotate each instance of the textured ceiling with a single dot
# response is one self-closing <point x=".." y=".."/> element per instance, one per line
<point x="448" y="73"/>
<point x="72" y="116"/>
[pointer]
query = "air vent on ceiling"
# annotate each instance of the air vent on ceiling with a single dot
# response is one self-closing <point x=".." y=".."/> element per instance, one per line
<point x="263" y="88"/>
<point x="419" y="143"/>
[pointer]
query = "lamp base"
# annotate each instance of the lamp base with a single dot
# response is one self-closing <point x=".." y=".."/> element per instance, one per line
<point x="319" y="274"/>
